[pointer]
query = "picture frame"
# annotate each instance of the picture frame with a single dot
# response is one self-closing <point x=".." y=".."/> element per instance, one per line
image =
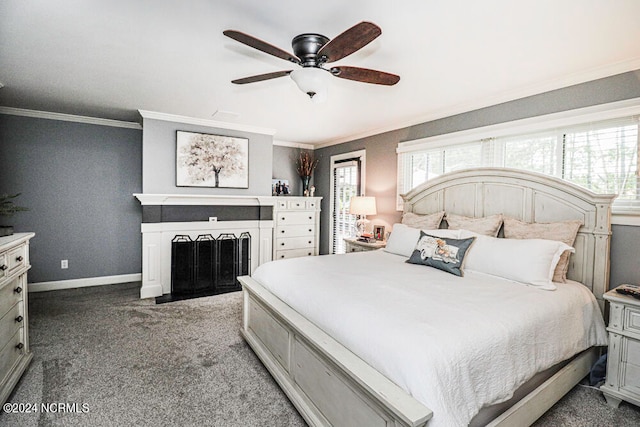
<point x="378" y="232"/>
<point x="280" y="187"/>
<point x="214" y="161"/>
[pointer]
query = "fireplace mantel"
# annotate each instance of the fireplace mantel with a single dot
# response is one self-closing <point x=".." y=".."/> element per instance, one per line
<point x="203" y="200"/>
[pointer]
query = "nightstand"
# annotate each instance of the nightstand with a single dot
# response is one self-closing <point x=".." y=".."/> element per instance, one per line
<point x="354" y="245"/>
<point x="623" y="361"/>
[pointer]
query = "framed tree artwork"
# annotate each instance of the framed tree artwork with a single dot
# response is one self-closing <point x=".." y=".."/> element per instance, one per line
<point x="205" y="160"/>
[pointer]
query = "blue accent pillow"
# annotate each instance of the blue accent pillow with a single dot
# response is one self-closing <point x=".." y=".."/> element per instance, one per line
<point x="443" y="254"/>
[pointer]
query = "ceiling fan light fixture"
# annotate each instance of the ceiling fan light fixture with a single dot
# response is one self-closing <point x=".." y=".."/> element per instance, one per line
<point x="312" y="81"/>
<point x="312" y="51"/>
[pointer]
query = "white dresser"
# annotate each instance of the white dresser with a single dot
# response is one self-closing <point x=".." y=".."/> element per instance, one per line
<point x="623" y="360"/>
<point x="297" y="227"/>
<point x="14" y="320"/>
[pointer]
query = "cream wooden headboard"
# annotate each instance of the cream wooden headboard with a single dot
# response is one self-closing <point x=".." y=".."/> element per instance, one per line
<point x="530" y="197"/>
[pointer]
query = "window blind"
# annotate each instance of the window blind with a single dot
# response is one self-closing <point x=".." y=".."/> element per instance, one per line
<point x="600" y="155"/>
<point x="346" y="184"/>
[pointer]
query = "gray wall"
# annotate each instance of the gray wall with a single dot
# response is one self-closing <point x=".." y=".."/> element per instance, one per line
<point x="625" y="245"/>
<point x="77" y="180"/>
<point x="284" y="167"/>
<point x="381" y="164"/>
<point x="159" y="160"/>
<point x="382" y="160"/>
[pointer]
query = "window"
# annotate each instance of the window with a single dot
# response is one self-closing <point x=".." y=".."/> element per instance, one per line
<point x="417" y="167"/>
<point x="604" y="159"/>
<point x="347" y="180"/>
<point x="537" y="152"/>
<point x="601" y="155"/>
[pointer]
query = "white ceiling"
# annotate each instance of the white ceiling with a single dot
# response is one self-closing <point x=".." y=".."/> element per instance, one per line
<point x="110" y="58"/>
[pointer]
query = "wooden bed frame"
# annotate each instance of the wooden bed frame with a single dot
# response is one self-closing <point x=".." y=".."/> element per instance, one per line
<point x="329" y="385"/>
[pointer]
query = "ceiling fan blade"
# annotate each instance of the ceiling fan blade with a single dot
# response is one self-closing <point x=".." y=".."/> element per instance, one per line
<point x="355" y="38"/>
<point x="365" y="75"/>
<point x="260" y="45"/>
<point x="261" y="77"/>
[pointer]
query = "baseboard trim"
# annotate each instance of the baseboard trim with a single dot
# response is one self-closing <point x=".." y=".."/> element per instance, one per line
<point x="82" y="283"/>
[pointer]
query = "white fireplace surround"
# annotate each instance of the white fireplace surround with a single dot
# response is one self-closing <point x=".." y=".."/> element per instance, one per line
<point x="157" y="236"/>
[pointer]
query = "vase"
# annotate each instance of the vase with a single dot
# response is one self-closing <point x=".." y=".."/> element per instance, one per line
<point x="305" y="184"/>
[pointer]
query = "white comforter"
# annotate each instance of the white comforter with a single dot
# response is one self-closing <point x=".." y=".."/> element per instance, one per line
<point x="455" y="344"/>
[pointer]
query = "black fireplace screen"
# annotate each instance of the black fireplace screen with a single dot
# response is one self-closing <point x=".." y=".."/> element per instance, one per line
<point x="207" y="264"/>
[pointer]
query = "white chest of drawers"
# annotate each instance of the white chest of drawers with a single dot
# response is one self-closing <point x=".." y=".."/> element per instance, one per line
<point x="297" y="227"/>
<point x="15" y="354"/>
<point x="623" y="360"/>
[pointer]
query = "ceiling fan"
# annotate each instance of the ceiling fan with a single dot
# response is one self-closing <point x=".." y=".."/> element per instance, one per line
<point x="312" y="52"/>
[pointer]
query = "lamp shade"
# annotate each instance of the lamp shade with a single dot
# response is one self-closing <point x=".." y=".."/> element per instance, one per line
<point x="312" y="81"/>
<point x="361" y="205"/>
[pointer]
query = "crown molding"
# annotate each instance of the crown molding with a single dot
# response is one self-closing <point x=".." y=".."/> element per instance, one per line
<point x="293" y="144"/>
<point x="69" y="118"/>
<point x="205" y="122"/>
<point x="584" y="76"/>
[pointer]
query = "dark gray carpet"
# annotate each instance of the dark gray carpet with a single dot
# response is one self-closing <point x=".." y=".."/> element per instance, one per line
<point x="184" y="363"/>
<point x="139" y="364"/>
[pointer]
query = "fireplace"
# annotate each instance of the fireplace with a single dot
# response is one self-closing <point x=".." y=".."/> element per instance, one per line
<point x="216" y="230"/>
<point x="208" y="265"/>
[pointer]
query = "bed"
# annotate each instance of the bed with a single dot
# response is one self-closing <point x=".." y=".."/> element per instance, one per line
<point x="334" y="380"/>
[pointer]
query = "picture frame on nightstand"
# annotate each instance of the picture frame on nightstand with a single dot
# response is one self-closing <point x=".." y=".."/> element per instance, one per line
<point x="378" y="232"/>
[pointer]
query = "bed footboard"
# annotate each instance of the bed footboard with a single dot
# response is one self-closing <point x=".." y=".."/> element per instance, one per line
<point x="329" y="385"/>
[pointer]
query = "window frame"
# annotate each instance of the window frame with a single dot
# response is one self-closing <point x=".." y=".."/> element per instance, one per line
<point x="549" y="122"/>
<point x="335" y="159"/>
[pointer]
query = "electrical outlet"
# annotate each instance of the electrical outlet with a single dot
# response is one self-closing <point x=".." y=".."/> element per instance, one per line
<point x="64" y="264"/>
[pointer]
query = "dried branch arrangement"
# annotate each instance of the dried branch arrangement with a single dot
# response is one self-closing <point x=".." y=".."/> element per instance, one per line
<point x="306" y="163"/>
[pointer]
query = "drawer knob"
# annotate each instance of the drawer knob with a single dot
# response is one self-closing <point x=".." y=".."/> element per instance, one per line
<point x="282" y="231"/>
<point x="310" y="217"/>
<point x="20" y="346"/>
<point x="19" y="319"/>
<point x="281" y="256"/>
<point x="19" y="258"/>
<point x="309" y="241"/>
<point x="18" y="290"/>
<point x="309" y="254"/>
<point x="3" y="267"/>
<point x="282" y="244"/>
<point x="310" y="230"/>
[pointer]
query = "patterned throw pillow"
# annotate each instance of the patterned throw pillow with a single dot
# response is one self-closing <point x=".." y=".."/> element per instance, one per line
<point x="425" y="222"/>
<point x="403" y="238"/>
<point x="443" y="254"/>
<point x="563" y="231"/>
<point x="487" y="226"/>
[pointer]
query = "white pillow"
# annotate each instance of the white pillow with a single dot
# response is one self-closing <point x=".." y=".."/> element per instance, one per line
<point x="403" y="239"/>
<point x="530" y="261"/>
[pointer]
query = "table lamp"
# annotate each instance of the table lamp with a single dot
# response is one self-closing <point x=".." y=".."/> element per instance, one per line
<point x="362" y="206"/>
